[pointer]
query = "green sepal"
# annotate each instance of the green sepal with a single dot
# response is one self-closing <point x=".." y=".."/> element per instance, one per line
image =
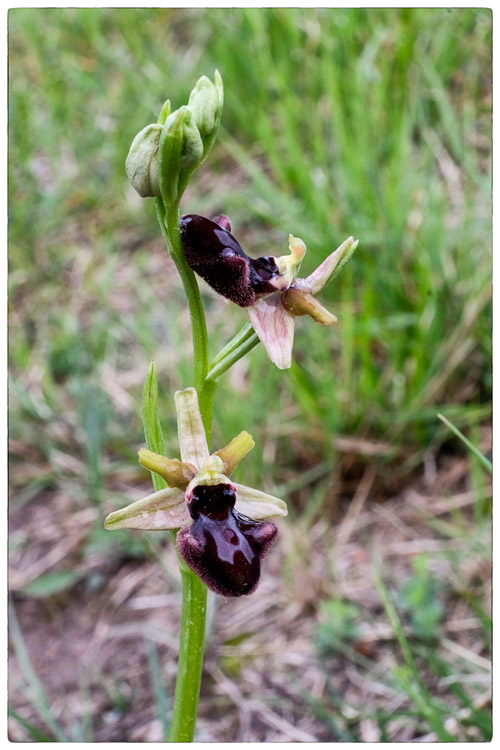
<point x="192" y="145"/>
<point x="169" y="157"/>
<point x="141" y="164"/>
<point x="161" y="511"/>
<point x="165" y="112"/>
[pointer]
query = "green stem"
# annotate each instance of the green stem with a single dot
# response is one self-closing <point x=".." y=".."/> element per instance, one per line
<point x="243" y="335"/>
<point x="191" y="647"/>
<point x="194" y="592"/>
<point x="223" y="363"/>
<point x="168" y="219"/>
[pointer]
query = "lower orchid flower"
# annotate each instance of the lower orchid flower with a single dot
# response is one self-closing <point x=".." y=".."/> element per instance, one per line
<point x="267" y="286"/>
<point x="223" y="533"/>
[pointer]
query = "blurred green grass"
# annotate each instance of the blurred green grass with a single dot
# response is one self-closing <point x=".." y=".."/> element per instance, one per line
<point x="336" y="122"/>
<point x="375" y="123"/>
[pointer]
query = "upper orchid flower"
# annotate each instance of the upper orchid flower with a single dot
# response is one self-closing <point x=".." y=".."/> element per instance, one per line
<point x="268" y="286"/>
<point x="273" y="316"/>
<point x="223" y="533"/>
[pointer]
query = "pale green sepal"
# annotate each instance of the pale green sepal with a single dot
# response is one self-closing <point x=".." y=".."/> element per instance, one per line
<point x="174" y="472"/>
<point x="330" y="268"/>
<point x="237" y="449"/>
<point x="192" y="145"/>
<point x="141" y="164"/>
<point x="160" y="511"/>
<point x="169" y="156"/>
<point x="258" y="505"/>
<point x="192" y="439"/>
<point x="165" y="111"/>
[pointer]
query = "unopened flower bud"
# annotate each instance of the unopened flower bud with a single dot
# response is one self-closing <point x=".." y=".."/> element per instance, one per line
<point x="164" y="155"/>
<point x="142" y="163"/>
<point x="191" y="146"/>
<point x="205" y="102"/>
<point x="180" y="149"/>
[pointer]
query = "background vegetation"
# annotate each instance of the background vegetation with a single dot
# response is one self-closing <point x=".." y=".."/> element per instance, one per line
<point x="375" y="123"/>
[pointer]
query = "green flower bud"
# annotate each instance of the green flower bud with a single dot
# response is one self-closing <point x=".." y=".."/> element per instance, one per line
<point x="204" y="103"/>
<point x="164" y="155"/>
<point x="142" y="164"/>
<point x="170" y="155"/>
<point x="180" y="151"/>
<point x="192" y="146"/>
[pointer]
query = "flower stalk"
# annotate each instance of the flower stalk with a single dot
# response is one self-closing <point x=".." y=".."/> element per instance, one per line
<point x="194" y="591"/>
<point x="194" y="595"/>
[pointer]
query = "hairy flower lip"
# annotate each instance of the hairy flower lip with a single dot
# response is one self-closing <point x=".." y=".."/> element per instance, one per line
<point x="227" y="555"/>
<point x="216" y="255"/>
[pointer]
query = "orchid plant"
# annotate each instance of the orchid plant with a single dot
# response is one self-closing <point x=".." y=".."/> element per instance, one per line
<point x="221" y="529"/>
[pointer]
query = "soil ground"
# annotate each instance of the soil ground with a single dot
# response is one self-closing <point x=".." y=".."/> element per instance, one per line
<point x="264" y="680"/>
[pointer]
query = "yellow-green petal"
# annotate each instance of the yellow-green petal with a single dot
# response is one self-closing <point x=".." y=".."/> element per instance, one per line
<point x="174" y="472"/>
<point x="237" y="449"/>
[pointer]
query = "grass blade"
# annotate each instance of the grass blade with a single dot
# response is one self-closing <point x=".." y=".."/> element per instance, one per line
<point x="39" y="701"/>
<point x="160" y="696"/>
<point x="486" y="463"/>
<point x="408" y="673"/>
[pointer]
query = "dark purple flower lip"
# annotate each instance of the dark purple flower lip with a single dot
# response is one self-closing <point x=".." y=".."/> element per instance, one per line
<point x="224" y="548"/>
<point x="216" y="255"/>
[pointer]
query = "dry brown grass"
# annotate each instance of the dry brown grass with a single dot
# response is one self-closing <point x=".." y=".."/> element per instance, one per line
<point x="263" y="679"/>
